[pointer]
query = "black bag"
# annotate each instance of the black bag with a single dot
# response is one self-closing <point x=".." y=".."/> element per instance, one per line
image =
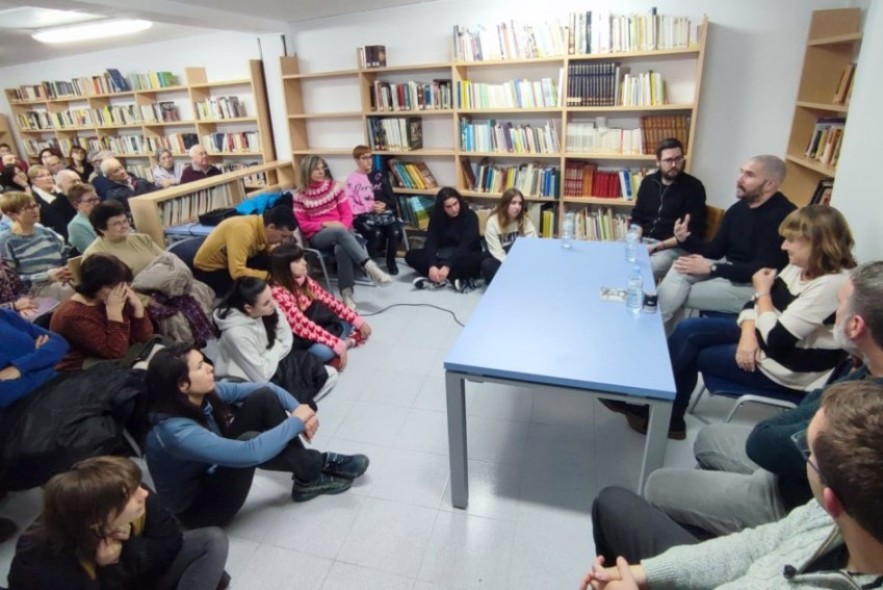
<point x="216" y="216"/>
<point x="319" y="314"/>
<point x="302" y="375"/>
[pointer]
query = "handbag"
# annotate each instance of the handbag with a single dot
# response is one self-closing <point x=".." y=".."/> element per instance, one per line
<point x="216" y="216"/>
<point x="380" y="219"/>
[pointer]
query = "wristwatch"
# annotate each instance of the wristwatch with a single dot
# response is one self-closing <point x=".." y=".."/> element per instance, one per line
<point x="713" y="268"/>
<point x="758" y="295"/>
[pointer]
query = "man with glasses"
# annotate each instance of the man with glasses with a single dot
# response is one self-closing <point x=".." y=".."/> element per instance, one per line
<point x="716" y="275"/>
<point x="833" y="541"/>
<point x="664" y="197"/>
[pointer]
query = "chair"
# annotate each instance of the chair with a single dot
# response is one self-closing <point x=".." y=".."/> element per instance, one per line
<point x="326" y="258"/>
<point x="186" y="249"/>
<point x="744" y="395"/>
<point x="713" y="218"/>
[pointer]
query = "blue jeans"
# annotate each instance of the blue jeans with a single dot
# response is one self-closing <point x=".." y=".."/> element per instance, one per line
<point x="324" y="353"/>
<point x="709" y="345"/>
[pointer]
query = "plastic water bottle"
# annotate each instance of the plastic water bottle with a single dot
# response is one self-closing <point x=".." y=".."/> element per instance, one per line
<point x="634" y="297"/>
<point x="567" y="233"/>
<point x="632" y="241"/>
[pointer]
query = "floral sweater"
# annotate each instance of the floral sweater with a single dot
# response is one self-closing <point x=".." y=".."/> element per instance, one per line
<point x="294" y="308"/>
<point x="320" y="203"/>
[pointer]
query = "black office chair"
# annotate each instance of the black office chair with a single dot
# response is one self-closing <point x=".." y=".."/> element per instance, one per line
<point x="186" y="249"/>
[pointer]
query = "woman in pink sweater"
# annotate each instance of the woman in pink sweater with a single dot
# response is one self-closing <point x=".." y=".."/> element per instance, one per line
<point x="326" y="220"/>
<point x="321" y="323"/>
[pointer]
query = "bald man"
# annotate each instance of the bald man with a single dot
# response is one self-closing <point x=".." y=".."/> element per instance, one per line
<point x="199" y="167"/>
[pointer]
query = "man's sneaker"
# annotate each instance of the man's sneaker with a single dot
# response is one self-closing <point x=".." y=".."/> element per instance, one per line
<point x="346" y="466"/>
<point x="420" y="282"/>
<point x="324" y="484"/>
<point x="463" y="285"/>
<point x="375" y="274"/>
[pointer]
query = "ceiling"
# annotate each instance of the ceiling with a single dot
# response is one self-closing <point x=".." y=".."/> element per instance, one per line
<point x="173" y="19"/>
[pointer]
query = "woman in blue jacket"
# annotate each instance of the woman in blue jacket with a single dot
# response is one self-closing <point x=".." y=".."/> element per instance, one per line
<point x="27" y="358"/>
<point x="207" y="439"/>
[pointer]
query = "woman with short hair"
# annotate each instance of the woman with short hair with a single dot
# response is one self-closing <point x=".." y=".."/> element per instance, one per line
<point x="115" y="236"/>
<point x="80" y="164"/>
<point x="166" y="173"/>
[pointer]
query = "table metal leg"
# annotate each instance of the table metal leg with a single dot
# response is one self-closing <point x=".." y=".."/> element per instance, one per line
<point x="657" y="440"/>
<point x="455" y="387"/>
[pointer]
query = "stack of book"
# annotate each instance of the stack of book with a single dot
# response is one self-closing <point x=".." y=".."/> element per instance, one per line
<point x="395" y="133"/>
<point x="642" y="90"/>
<point x="655" y="128"/>
<point x="583" y="179"/>
<point x="222" y="107"/>
<point x="596" y="138"/>
<point x="496" y="137"/>
<point x="533" y="180"/>
<point x="600" y="224"/>
<point x="824" y="143"/>
<point x="593" y="84"/>
<point x="413" y="175"/>
<point x="411" y="96"/>
<point x="514" y="94"/>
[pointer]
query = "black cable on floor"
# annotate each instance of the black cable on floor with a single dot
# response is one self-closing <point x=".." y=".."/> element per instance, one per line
<point x="388" y="307"/>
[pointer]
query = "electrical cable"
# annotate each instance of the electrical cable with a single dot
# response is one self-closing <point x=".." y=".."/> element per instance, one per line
<point x="388" y="307"/>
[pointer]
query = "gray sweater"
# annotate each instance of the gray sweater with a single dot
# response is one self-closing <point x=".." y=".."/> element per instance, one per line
<point x="756" y="558"/>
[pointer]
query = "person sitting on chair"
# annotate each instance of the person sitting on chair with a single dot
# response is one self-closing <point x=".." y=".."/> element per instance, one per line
<point x="111" y="223"/>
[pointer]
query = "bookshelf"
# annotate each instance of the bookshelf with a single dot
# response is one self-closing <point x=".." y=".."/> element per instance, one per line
<point x="832" y="46"/>
<point x="153" y="212"/>
<point x="134" y="123"/>
<point x="314" y="129"/>
<point x="6" y="133"/>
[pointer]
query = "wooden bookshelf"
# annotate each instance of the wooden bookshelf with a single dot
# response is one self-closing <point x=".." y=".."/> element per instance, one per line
<point x="833" y="42"/>
<point x="153" y="212"/>
<point x="306" y="137"/>
<point x="196" y="88"/>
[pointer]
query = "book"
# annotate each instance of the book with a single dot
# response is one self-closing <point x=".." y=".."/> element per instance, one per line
<point x="822" y="194"/>
<point x="844" y="86"/>
<point x="117" y="82"/>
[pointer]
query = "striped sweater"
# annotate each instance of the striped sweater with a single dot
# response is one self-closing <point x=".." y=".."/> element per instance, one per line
<point x="320" y="203"/>
<point x="798" y="349"/>
<point x="294" y="308"/>
<point x="33" y="256"/>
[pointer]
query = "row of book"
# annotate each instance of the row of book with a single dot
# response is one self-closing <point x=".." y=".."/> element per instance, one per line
<point x="824" y="143"/>
<point x="395" y="133"/>
<point x="153" y="81"/>
<point x="506" y="137"/>
<point x="411" y="96"/>
<point x="110" y="82"/>
<point x="372" y="56"/>
<point x="596" y="138"/>
<point x="522" y="94"/>
<point x="600" y="224"/>
<point x="187" y="208"/>
<point x="109" y="115"/>
<point x="416" y="210"/>
<point x="595" y="84"/>
<point x="642" y="90"/>
<point x="532" y="179"/>
<point x="245" y="141"/>
<point x="583" y="179"/>
<point x="655" y="128"/>
<point x="252" y="180"/>
<point x="413" y="175"/>
<point x="585" y="33"/>
<point x="221" y="107"/>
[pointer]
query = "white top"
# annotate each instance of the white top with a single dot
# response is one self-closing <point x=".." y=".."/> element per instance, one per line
<point x="499" y="241"/>
<point x="242" y="348"/>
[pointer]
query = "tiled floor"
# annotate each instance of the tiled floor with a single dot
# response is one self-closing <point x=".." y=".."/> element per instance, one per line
<point x="535" y="464"/>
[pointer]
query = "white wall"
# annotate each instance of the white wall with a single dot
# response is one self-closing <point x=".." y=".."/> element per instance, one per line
<point x="857" y="191"/>
<point x="753" y="60"/>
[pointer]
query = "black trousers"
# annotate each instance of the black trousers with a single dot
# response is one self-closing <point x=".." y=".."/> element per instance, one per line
<point x="223" y="492"/>
<point x="489" y="268"/>
<point x="378" y="236"/>
<point x="220" y="280"/>
<point x="463" y="267"/>
<point x="625" y="524"/>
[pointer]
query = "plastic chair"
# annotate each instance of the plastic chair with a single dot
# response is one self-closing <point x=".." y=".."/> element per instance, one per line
<point x="744" y="395"/>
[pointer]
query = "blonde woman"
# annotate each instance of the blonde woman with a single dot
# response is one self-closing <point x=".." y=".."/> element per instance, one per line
<point x="507" y="222"/>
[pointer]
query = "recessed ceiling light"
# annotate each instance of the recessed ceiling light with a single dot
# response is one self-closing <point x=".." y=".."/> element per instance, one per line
<point x="87" y="31"/>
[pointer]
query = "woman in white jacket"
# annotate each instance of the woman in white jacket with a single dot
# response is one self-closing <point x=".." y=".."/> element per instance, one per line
<point x="256" y="346"/>
<point x="506" y="223"/>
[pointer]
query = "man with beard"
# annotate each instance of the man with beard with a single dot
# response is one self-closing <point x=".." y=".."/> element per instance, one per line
<point x="749" y="477"/>
<point x="716" y="275"/>
<point x="665" y="196"/>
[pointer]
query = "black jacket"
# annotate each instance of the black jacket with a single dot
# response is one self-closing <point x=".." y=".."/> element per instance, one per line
<point x="456" y="236"/>
<point x="143" y="561"/>
<point x="658" y="205"/>
<point x="123" y="192"/>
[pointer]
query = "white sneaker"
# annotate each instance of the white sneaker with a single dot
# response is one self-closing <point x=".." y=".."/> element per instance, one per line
<point x="376" y="274"/>
<point x="346" y="295"/>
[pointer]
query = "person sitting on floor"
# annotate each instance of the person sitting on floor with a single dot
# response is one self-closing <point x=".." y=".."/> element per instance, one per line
<point x="507" y="222"/>
<point x="111" y="223"/>
<point x="452" y="252"/>
<point x="104" y="319"/>
<point x="374" y="208"/>
<point x="255" y="345"/>
<point x="239" y="246"/>
<point x="834" y="541"/>
<point x="101" y="528"/>
<point x="321" y="323"/>
<point x="783" y="341"/>
<point x="27" y="358"/>
<point x="208" y="437"/>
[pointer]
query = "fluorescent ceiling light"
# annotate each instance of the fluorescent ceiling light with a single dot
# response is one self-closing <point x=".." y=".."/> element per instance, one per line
<point x="29" y="17"/>
<point x="88" y="31"/>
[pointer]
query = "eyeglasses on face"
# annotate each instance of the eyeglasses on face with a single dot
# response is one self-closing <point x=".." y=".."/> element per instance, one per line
<point x="672" y="161"/>
<point x="89" y="200"/>
<point x="365" y="157"/>
<point x="802" y="443"/>
<point x="31" y="206"/>
<point x="119" y="224"/>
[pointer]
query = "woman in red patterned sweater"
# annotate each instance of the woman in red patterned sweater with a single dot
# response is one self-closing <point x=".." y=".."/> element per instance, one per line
<point x="321" y="323"/>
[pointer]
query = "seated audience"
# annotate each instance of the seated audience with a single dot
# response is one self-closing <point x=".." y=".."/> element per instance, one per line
<point x="101" y="528"/>
<point x="752" y="476"/>
<point x="46" y="154"/>
<point x="783" y="340"/>
<point x="79" y="163"/>
<point x="833" y="541"/>
<point x="166" y="173"/>
<point x="326" y="220"/>
<point x="115" y="236"/>
<point x="80" y="233"/>
<point x="452" y="251"/>
<point x="9" y="158"/>
<point x="65" y="181"/>
<point x="13" y="292"/>
<point x="55" y="163"/>
<point x="239" y="246"/>
<point x="27" y="357"/>
<point x="256" y="346"/>
<point x="208" y="437"/>
<point x="104" y="320"/>
<point x="36" y="253"/>
<point x="716" y="275"/>
<point x="122" y="186"/>
<point x="506" y="223"/>
<point x="322" y="324"/>
<point x="199" y="167"/>
<point x="45" y="194"/>
<point x="664" y="197"/>
<point x="101" y="183"/>
<point x="14" y="178"/>
<point x="374" y="208"/>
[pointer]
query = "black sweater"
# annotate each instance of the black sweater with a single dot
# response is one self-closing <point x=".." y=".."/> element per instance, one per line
<point x="748" y="238"/>
<point x="458" y="234"/>
<point x="659" y="205"/>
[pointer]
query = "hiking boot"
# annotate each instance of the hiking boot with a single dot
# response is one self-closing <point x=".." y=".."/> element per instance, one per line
<point x="346" y="295"/>
<point x="324" y="484"/>
<point x="377" y="275"/>
<point x="346" y="466"/>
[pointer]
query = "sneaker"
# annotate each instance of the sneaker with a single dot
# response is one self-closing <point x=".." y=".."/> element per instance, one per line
<point x="346" y="466"/>
<point x="377" y="275"/>
<point x="464" y="285"/>
<point x="346" y="295"/>
<point x="324" y="484"/>
<point x="420" y="282"/>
